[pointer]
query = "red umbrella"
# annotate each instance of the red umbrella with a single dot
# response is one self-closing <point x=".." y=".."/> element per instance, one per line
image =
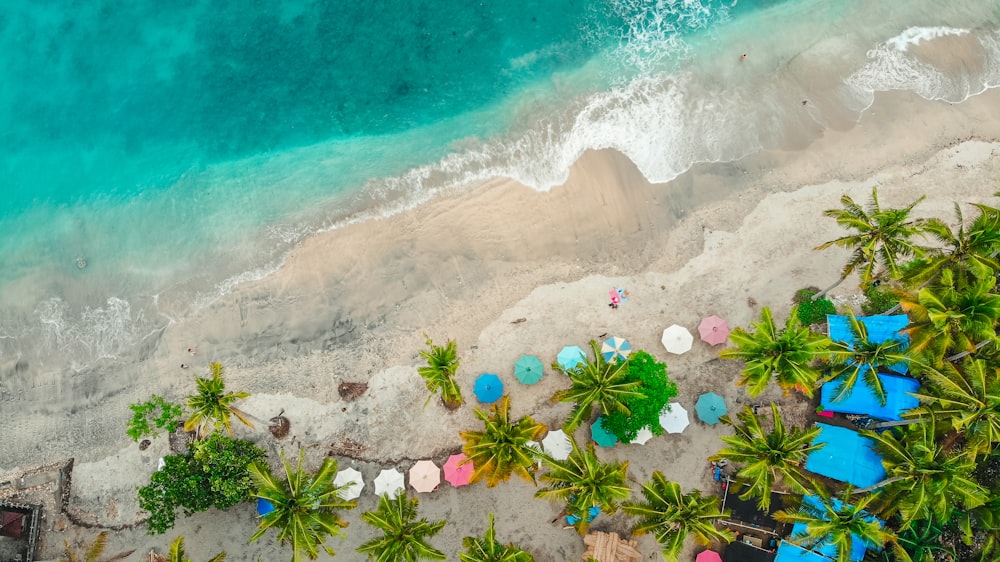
<point x="713" y="330"/>
<point x="457" y="473"/>
<point x="708" y="556"/>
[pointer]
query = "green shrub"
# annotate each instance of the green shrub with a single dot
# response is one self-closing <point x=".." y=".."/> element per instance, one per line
<point x="163" y="415"/>
<point x="879" y="300"/>
<point x="812" y="311"/>
<point x="645" y="410"/>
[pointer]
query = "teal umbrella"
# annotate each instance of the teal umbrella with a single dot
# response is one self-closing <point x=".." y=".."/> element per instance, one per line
<point x="710" y="408"/>
<point x="528" y="369"/>
<point x="571" y="356"/>
<point x="600" y="435"/>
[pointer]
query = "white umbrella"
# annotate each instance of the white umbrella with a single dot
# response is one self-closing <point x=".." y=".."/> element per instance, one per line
<point x="425" y="476"/>
<point x="557" y="445"/>
<point x="353" y="481"/>
<point x="674" y="420"/>
<point x="677" y="339"/>
<point x="642" y="436"/>
<point x="389" y="482"/>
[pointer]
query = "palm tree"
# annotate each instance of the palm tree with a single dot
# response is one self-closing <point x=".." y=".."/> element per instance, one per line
<point x="883" y="236"/>
<point x="768" y="456"/>
<point x="837" y="522"/>
<point x="923" y="480"/>
<point x="439" y="374"/>
<point x="489" y="549"/>
<point x="212" y="406"/>
<point x="404" y="539"/>
<point x="672" y="516"/>
<point x="863" y="359"/>
<point x="969" y="398"/>
<point x="305" y="506"/>
<point x="787" y="354"/>
<point x="93" y="553"/>
<point x="920" y="542"/>
<point x="969" y="252"/>
<point x="948" y="317"/>
<point x="596" y="383"/>
<point x="502" y="449"/>
<point x="582" y="481"/>
<point x="176" y="553"/>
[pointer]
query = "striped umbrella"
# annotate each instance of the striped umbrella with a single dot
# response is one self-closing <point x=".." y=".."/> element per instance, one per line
<point x="615" y="348"/>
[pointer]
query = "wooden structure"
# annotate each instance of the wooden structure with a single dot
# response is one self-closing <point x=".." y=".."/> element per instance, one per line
<point x="609" y="547"/>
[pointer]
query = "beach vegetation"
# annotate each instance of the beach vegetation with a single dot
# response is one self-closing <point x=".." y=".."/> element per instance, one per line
<point x="439" y="373"/>
<point x="967" y="396"/>
<point x="212" y="408"/>
<point x="488" y="549"/>
<point x="655" y="390"/>
<point x="404" y="537"/>
<point x="837" y="522"/>
<point x="768" y="458"/>
<point x="970" y="252"/>
<point x="176" y="553"/>
<point x="306" y="506"/>
<point x="582" y="481"/>
<point x="501" y="448"/>
<point x="788" y="355"/>
<point x="878" y="299"/>
<point x="862" y="360"/>
<point x="153" y="415"/>
<point x="921" y="542"/>
<point x="597" y="384"/>
<point x="812" y="311"/>
<point x="94" y="552"/>
<point x="671" y="516"/>
<point x="213" y="473"/>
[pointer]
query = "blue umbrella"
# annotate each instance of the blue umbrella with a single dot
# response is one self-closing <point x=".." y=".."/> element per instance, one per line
<point x="264" y="507"/>
<point x="615" y="348"/>
<point x="592" y="513"/>
<point x="570" y="357"/>
<point x="488" y="388"/>
<point x="710" y="408"/>
<point x="528" y="369"/>
<point x="600" y="435"/>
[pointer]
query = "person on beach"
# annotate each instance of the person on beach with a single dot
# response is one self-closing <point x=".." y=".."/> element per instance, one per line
<point x="743" y="57"/>
<point x="184" y="365"/>
<point x="193" y="350"/>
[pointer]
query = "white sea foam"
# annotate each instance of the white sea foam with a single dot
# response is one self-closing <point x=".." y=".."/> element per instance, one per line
<point x="915" y="35"/>
<point x="92" y="332"/>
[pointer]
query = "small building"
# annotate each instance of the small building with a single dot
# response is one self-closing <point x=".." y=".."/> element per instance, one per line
<point x="609" y="547"/>
<point x="863" y="401"/>
<point x="846" y="456"/>
<point x="19" y="526"/>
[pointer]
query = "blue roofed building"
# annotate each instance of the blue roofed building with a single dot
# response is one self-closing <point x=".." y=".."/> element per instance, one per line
<point x="858" y="545"/>
<point x="846" y="456"/>
<point x="861" y="399"/>
<point x="791" y="552"/>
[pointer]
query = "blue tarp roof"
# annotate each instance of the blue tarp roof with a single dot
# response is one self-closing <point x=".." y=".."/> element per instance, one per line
<point x="858" y="545"/>
<point x="847" y="457"/>
<point x="861" y="399"/>
<point x="879" y="328"/>
<point x="791" y="552"/>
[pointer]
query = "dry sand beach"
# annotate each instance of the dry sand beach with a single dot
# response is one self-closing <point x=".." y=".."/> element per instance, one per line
<point x="354" y="305"/>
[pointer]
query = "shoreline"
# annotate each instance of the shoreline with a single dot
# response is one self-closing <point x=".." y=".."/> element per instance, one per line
<point x="353" y="305"/>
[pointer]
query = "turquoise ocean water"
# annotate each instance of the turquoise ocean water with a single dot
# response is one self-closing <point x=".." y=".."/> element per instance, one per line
<point x="178" y="148"/>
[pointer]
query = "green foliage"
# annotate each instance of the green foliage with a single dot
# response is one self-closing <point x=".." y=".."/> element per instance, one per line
<point x="212" y="407"/>
<point x="812" y="311"/>
<point x="439" y="374"/>
<point x="162" y="414"/>
<point x="599" y="384"/>
<point x="177" y="554"/>
<point x="213" y="473"/>
<point x="501" y="448"/>
<point x="488" y="549"/>
<point x="655" y="391"/>
<point x="878" y="300"/>
<point x="836" y="522"/>
<point x="404" y="538"/>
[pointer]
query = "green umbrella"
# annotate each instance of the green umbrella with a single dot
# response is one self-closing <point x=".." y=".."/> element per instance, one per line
<point x="528" y="369"/>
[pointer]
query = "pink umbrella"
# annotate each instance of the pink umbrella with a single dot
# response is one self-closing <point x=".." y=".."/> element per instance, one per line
<point x="708" y="556"/>
<point x="455" y="472"/>
<point x="425" y="476"/>
<point x="713" y="330"/>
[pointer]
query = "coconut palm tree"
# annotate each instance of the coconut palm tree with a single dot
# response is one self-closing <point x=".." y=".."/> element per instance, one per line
<point x="970" y="252"/>
<point x="671" y="516"/>
<point x="863" y="359"/>
<point x="439" y="374"/>
<point x="177" y="554"/>
<point x="489" y="549"/>
<point x="501" y="448"/>
<point x="582" y="481"/>
<point x="596" y="383"/>
<point x="305" y="506"/>
<point x="949" y="317"/>
<point x="787" y="354"/>
<point x="766" y="456"/>
<point x="93" y="553"/>
<point x="212" y="407"/>
<point x="404" y="538"/>
<point x="882" y="238"/>
<point x="920" y="542"/>
<point x="923" y="480"/>
<point x="838" y="522"/>
<point x="969" y="398"/>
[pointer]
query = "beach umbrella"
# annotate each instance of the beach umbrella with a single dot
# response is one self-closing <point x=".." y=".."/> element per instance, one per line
<point x="601" y="436"/>
<point x="592" y="513"/>
<point x="456" y="472"/>
<point x="528" y="369"/>
<point x="352" y="479"/>
<point x="264" y="507"/>
<point x="615" y="348"/>
<point x="557" y="445"/>
<point x="389" y="482"/>
<point x="675" y="419"/>
<point x="708" y="556"/>
<point x="570" y="357"/>
<point x="642" y="436"/>
<point x="488" y="388"/>
<point x="713" y="331"/>
<point x="425" y="476"/>
<point x="677" y="339"/>
<point x="710" y="408"/>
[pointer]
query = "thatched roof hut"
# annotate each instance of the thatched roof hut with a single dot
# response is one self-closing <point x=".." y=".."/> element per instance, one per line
<point x="609" y="547"/>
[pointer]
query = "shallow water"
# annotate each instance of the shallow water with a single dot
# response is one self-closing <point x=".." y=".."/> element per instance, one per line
<point x="176" y="152"/>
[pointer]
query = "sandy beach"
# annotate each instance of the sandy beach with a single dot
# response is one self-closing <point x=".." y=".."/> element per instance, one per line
<point x="356" y="304"/>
